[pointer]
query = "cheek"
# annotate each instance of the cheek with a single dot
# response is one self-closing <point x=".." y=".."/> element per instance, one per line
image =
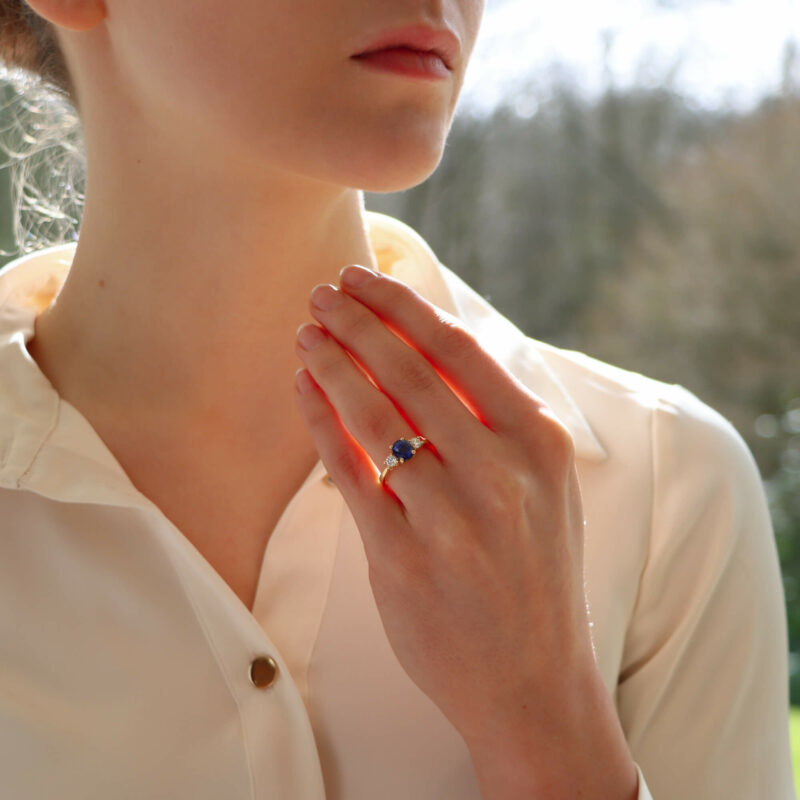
<point x="200" y="57"/>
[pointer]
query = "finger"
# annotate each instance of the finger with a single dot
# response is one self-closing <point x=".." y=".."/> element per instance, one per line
<point x="367" y="413"/>
<point x="498" y="398"/>
<point x="347" y="463"/>
<point x="400" y="371"/>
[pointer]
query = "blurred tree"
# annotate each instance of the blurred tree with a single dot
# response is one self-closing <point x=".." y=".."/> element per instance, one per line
<point x="712" y="300"/>
<point x="532" y="212"/>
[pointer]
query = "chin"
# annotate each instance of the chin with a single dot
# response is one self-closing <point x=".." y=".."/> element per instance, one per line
<point x="393" y="181"/>
<point x="394" y="169"/>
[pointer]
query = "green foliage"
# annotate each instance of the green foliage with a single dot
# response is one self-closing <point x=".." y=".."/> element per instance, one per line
<point x="794" y="728"/>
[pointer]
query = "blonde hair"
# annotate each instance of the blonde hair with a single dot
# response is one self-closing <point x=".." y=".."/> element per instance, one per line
<point x="40" y="131"/>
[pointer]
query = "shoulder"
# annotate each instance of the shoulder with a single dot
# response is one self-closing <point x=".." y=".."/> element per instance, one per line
<point x="622" y="409"/>
<point x="680" y="462"/>
<point x="608" y="394"/>
<point x="695" y="468"/>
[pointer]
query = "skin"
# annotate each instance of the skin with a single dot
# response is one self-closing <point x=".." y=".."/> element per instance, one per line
<point x="226" y="158"/>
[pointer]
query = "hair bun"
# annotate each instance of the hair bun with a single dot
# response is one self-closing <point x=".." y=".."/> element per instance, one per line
<point x="28" y="42"/>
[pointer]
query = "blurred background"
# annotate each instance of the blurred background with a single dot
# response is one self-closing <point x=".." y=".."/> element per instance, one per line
<point x="623" y="178"/>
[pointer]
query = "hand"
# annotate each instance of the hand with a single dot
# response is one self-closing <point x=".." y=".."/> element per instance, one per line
<point x="475" y="545"/>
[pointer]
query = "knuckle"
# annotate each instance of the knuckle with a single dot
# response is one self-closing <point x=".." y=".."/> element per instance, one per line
<point x="394" y="291"/>
<point x="357" y="326"/>
<point x="414" y="375"/>
<point x="373" y="421"/>
<point x="332" y="365"/>
<point x="544" y="433"/>
<point x="317" y="415"/>
<point x="346" y="469"/>
<point x="558" y="442"/>
<point x="453" y="340"/>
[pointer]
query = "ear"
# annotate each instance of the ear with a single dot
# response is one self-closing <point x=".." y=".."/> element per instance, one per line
<point x="74" y="15"/>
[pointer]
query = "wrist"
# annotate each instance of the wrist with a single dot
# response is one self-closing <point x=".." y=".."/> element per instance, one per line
<point x="570" y="746"/>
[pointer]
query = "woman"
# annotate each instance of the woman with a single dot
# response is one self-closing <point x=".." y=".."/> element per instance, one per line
<point x="561" y="583"/>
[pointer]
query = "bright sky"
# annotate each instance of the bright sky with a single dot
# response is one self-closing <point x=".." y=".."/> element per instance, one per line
<point x="722" y="53"/>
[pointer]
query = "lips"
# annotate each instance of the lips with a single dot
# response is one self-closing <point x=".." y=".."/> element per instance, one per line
<point x="421" y="38"/>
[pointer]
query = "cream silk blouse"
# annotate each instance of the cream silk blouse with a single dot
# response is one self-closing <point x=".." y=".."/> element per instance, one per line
<point x="126" y="660"/>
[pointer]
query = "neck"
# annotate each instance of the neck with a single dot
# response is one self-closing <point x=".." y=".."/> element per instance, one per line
<point x="182" y="310"/>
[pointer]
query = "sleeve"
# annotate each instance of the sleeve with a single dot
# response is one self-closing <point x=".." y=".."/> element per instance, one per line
<point x="703" y="690"/>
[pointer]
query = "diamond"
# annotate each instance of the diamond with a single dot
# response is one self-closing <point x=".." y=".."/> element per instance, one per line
<point x="391" y="461"/>
<point x="417" y="442"/>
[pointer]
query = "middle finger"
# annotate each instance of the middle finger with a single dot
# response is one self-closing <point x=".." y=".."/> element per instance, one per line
<point x="401" y="372"/>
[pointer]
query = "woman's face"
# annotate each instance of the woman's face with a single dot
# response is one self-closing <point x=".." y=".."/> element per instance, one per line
<point x="271" y="83"/>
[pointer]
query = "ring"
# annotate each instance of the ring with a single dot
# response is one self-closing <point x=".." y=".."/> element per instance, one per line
<point x="402" y="450"/>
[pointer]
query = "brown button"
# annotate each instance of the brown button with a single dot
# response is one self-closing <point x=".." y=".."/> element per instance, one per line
<point x="263" y="672"/>
<point x="329" y="480"/>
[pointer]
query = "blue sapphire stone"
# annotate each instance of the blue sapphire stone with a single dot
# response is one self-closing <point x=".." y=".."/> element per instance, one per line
<point x="403" y="449"/>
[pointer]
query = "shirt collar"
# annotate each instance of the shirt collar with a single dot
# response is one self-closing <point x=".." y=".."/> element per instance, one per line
<point x="404" y="254"/>
<point x="29" y="284"/>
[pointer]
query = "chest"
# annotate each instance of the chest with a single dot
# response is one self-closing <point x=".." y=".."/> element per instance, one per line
<point x="228" y="513"/>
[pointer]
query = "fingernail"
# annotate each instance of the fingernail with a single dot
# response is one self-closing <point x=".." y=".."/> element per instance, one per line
<point x="303" y="381"/>
<point x="325" y="297"/>
<point x="310" y="336"/>
<point x="356" y="276"/>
